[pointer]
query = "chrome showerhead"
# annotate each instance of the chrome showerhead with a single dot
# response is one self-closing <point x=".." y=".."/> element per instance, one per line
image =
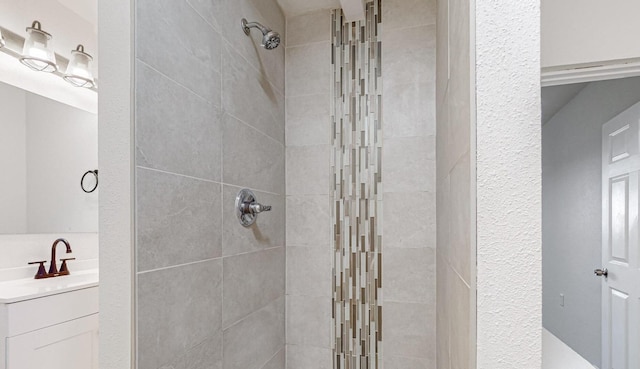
<point x="270" y="38"/>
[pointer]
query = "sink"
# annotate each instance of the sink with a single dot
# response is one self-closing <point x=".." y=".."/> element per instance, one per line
<point x="26" y="289"/>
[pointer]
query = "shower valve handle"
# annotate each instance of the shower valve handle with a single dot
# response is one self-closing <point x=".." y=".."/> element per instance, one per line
<point x="248" y="208"/>
<point x="259" y="208"/>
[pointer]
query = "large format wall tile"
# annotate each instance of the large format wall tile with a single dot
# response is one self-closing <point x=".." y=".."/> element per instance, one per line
<point x="308" y="69"/>
<point x="178" y="309"/>
<point x="459" y="205"/>
<point x="309" y="271"/>
<point x="408" y="13"/>
<point x="250" y="158"/>
<point x="250" y="97"/>
<point x="308" y="28"/>
<point x="268" y="230"/>
<point x="399" y="362"/>
<point x="308" y="120"/>
<point x="308" y="169"/>
<point x="409" y="330"/>
<point x="309" y="321"/>
<point x="278" y="361"/>
<point x="250" y="343"/>
<point x="167" y="31"/>
<point x="251" y="281"/>
<point x="308" y="357"/>
<point x="413" y="164"/>
<point x="408" y="110"/>
<point x="309" y="221"/>
<point x="409" y="55"/>
<point x="404" y="228"/>
<point x="178" y="219"/>
<point x="166" y="137"/>
<point x="229" y="13"/>
<point x="409" y="276"/>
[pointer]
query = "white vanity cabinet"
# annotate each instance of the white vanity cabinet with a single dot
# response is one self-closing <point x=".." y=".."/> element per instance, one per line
<point x="56" y="331"/>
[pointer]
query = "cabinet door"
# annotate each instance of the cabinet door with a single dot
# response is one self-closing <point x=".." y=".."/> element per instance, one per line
<point x="69" y="345"/>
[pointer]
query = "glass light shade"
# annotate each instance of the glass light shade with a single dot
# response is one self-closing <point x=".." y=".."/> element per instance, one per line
<point x="79" y="69"/>
<point x="37" y="53"/>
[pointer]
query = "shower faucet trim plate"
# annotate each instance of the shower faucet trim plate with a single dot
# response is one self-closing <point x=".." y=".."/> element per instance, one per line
<point x="247" y="207"/>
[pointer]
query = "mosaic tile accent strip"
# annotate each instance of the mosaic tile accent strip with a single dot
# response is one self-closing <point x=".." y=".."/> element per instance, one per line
<point x="356" y="191"/>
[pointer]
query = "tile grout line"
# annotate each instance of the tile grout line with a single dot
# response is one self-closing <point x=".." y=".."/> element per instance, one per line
<point x="208" y="180"/>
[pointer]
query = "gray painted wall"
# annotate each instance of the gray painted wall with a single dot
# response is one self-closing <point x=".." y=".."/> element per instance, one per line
<point x="571" y="212"/>
<point x="209" y="105"/>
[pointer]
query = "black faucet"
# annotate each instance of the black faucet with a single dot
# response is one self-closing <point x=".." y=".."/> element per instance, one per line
<point x="53" y="268"/>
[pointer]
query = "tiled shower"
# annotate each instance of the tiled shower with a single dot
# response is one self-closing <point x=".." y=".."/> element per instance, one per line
<point x="341" y="273"/>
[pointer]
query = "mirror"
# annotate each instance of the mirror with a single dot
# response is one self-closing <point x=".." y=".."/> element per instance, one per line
<point x="45" y="149"/>
<point x="590" y="188"/>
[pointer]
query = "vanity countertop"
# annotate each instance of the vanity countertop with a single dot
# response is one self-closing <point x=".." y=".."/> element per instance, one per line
<point x="30" y="288"/>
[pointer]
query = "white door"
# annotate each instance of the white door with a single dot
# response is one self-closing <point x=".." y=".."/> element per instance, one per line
<point x="620" y="243"/>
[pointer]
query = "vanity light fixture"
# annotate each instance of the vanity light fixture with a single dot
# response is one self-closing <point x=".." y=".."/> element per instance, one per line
<point x="37" y="53"/>
<point x="79" y="69"/>
<point x="2" y="43"/>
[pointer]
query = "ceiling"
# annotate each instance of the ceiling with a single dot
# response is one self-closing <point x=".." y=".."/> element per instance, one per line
<point x="555" y="97"/>
<point x="297" y="7"/>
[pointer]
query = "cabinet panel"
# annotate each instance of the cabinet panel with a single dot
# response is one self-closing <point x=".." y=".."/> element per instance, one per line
<point x="69" y="345"/>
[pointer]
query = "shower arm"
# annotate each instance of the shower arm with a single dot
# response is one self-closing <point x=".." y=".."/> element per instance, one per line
<point x="248" y="25"/>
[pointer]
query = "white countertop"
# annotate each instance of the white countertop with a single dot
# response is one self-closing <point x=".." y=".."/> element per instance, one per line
<point x="30" y="288"/>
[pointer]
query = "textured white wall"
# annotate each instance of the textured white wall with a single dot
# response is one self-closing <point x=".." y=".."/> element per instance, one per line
<point x="508" y="184"/>
<point x="115" y="153"/>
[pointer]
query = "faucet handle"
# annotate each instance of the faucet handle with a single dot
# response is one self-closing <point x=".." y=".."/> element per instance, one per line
<point x="42" y="272"/>
<point x="63" y="268"/>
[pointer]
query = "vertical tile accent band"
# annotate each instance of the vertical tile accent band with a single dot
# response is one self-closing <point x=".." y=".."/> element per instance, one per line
<point x="356" y="191"/>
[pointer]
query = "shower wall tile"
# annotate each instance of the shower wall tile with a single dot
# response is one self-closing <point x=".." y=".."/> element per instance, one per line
<point x="308" y="69"/>
<point x="208" y="354"/>
<point x="178" y="309"/>
<point x="306" y="314"/>
<point x="408" y="13"/>
<point x="443" y="321"/>
<point x="460" y="329"/>
<point x="405" y="230"/>
<point x="409" y="55"/>
<point x="309" y="271"/>
<point x="459" y="226"/>
<point x="250" y="158"/>
<point x="308" y="120"/>
<point x="268" y="231"/>
<point x="168" y="30"/>
<point x="308" y="169"/>
<point x="413" y="164"/>
<point x="249" y="98"/>
<point x="163" y="133"/>
<point x="278" y="361"/>
<point x="308" y="28"/>
<point x="409" y="330"/>
<point x="309" y="357"/>
<point x="308" y="221"/>
<point x="399" y="362"/>
<point x="178" y="219"/>
<point x="209" y="97"/>
<point x="410" y="275"/>
<point x="405" y="113"/>
<point x="454" y="202"/>
<point x="252" y="342"/>
<point x="252" y="281"/>
<point x="229" y="13"/>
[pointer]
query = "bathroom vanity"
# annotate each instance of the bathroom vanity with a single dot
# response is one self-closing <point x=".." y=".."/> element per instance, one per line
<point x="50" y="323"/>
